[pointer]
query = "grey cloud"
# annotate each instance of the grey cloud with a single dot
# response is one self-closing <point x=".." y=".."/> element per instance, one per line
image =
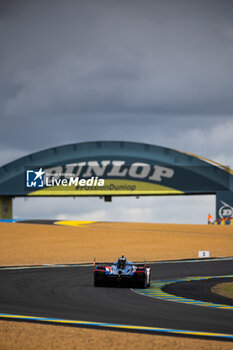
<point x="10" y="154"/>
<point x="112" y="58"/>
<point x="209" y="137"/>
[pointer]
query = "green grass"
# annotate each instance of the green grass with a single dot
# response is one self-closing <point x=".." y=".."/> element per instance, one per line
<point x="228" y="289"/>
<point x="224" y="289"/>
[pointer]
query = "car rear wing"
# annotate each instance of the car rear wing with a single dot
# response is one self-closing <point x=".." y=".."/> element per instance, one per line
<point x="103" y="263"/>
<point x="115" y="264"/>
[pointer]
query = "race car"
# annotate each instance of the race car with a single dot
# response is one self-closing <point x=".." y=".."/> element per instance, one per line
<point x="122" y="273"/>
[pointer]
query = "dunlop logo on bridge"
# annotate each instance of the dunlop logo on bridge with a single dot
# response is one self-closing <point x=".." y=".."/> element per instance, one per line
<point x="110" y="169"/>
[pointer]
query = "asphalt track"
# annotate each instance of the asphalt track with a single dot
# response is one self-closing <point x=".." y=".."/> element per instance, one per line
<point x="68" y="293"/>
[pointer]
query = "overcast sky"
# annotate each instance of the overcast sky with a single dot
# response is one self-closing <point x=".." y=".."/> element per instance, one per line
<point x="147" y="71"/>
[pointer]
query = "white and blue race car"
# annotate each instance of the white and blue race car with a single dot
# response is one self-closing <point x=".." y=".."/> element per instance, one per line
<point x="122" y="273"/>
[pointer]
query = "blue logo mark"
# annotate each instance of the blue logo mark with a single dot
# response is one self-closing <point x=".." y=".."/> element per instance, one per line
<point x="35" y="179"/>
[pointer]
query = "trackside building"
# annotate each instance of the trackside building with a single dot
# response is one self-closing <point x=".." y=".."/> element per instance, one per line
<point x="114" y="168"/>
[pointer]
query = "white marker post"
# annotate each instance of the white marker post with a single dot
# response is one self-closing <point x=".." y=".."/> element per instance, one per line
<point x="203" y="254"/>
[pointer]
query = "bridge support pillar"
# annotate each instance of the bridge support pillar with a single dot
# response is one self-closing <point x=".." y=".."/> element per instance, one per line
<point x="5" y="207"/>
